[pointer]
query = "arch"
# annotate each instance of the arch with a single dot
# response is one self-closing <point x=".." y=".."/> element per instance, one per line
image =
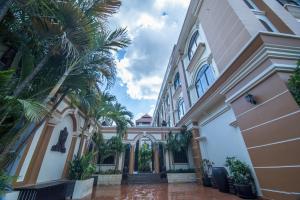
<point x="203" y="78"/>
<point x="141" y="135"/>
<point x="70" y="111"/>
<point x="193" y="44"/>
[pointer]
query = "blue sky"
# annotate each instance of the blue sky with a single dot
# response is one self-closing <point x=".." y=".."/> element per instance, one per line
<point x="153" y="26"/>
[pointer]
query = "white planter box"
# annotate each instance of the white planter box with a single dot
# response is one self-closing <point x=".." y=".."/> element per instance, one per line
<point x="109" y="179"/>
<point x="181" y="177"/>
<point x="10" y="196"/>
<point x="83" y="188"/>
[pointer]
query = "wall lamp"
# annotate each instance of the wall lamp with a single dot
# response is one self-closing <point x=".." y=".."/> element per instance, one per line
<point x="251" y="99"/>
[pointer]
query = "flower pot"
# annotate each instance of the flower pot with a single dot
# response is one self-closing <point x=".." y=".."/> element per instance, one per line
<point x="220" y="176"/>
<point x="83" y="188"/>
<point x="244" y="191"/>
<point x="206" y="181"/>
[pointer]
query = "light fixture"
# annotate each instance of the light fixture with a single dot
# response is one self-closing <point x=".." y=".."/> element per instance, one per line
<point x="251" y="99"/>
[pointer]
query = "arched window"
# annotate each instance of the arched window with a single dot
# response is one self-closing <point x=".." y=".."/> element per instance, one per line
<point x="266" y="23"/>
<point x="293" y="2"/>
<point x="193" y="45"/>
<point x="204" y="79"/>
<point x="180" y="108"/>
<point x="176" y="81"/>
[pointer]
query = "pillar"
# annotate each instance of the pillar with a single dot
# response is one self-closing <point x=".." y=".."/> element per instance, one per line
<point x="131" y="159"/>
<point x="156" y="159"/>
<point x="38" y="155"/>
<point x="197" y="157"/>
<point x="70" y="156"/>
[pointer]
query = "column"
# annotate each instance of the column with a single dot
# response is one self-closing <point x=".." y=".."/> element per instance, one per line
<point x="197" y="157"/>
<point x="38" y="155"/>
<point x="70" y="156"/>
<point x="156" y="159"/>
<point x="131" y="159"/>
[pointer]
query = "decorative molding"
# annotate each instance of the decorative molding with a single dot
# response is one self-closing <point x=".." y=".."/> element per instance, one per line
<point x="215" y="115"/>
<point x="266" y="51"/>
<point x="260" y="78"/>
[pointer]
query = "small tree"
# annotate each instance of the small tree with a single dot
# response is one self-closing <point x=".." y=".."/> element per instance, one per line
<point x="145" y="158"/>
<point x="117" y="147"/>
<point x="294" y="84"/>
<point x="82" y="168"/>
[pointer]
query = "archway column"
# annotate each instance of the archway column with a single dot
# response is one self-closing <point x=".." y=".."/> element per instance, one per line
<point x="156" y="159"/>
<point x="197" y="157"/>
<point x="131" y="159"/>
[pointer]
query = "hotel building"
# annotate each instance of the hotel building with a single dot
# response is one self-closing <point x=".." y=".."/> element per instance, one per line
<point x="227" y="81"/>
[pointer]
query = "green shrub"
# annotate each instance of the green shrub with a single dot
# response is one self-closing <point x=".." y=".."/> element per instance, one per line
<point x="239" y="171"/>
<point x="294" y="84"/>
<point x="181" y="171"/>
<point x="5" y="182"/>
<point x="82" y="168"/>
<point x="110" y="171"/>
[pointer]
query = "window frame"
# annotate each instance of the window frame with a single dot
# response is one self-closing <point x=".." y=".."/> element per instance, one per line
<point x="193" y="41"/>
<point x="180" y="108"/>
<point x="183" y="155"/>
<point x="202" y="71"/>
<point x="176" y="81"/>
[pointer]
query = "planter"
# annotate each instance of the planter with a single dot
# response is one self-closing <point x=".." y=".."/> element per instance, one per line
<point x="109" y="179"/>
<point x="10" y="196"/>
<point x="220" y="176"/>
<point x="206" y="181"/>
<point x="83" y="188"/>
<point x="244" y="191"/>
<point x="181" y="177"/>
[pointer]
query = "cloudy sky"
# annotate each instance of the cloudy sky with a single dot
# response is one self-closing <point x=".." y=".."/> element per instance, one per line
<point x="153" y="26"/>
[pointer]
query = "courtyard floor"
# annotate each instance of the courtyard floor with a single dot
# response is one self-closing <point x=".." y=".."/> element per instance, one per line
<point x="186" y="191"/>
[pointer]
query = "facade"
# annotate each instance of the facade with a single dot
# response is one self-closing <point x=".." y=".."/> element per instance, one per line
<point x="227" y="81"/>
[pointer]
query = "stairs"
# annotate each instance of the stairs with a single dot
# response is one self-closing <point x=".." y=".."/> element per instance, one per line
<point x="144" y="178"/>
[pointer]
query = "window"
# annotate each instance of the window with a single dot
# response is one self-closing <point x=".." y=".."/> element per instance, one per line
<point x="204" y="79"/>
<point x="266" y="23"/>
<point x="180" y="156"/>
<point x="193" y="45"/>
<point x="181" y="109"/>
<point x="293" y="2"/>
<point x="110" y="160"/>
<point x="176" y="81"/>
<point x="250" y="4"/>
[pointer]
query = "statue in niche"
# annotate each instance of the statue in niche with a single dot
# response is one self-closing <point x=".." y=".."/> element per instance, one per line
<point x="60" y="145"/>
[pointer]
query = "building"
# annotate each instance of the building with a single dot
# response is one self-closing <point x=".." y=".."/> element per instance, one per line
<point x="145" y="120"/>
<point x="227" y="81"/>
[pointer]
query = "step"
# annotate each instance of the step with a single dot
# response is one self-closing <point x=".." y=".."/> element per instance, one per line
<point x="144" y="178"/>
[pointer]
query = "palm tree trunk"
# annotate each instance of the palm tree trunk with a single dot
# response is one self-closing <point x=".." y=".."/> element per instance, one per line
<point x="4" y="8"/>
<point x="30" y="77"/>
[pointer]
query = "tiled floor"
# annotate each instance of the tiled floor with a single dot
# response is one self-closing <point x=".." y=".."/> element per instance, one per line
<point x="187" y="191"/>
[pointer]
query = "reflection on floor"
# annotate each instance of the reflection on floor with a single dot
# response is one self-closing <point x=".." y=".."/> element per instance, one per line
<point x="186" y="191"/>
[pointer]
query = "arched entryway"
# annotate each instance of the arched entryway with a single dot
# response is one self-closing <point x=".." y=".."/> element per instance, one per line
<point x="141" y="146"/>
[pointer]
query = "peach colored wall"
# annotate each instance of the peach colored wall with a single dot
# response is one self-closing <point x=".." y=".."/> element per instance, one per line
<point x="271" y="133"/>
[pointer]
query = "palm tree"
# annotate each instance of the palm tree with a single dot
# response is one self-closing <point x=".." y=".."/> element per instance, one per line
<point x="75" y="36"/>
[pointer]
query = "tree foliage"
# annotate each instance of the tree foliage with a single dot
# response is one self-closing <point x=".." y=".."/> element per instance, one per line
<point x="294" y="84"/>
<point x="145" y="155"/>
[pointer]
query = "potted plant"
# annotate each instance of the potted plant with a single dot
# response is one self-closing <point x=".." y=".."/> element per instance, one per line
<point x="242" y="178"/>
<point x="206" y="167"/>
<point x="81" y="170"/>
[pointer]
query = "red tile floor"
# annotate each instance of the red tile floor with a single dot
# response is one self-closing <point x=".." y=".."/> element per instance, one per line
<point x="186" y="191"/>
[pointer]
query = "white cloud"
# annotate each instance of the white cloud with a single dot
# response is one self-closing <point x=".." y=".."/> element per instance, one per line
<point x="153" y="27"/>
